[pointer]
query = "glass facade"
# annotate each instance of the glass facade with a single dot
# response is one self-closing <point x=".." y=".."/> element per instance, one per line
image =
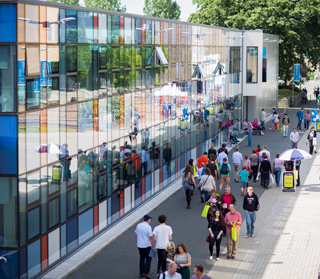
<point x="98" y="114"/>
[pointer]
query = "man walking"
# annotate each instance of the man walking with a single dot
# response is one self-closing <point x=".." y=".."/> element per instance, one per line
<point x="162" y="236"/>
<point x="233" y="217"/>
<point x="222" y="156"/>
<point x="224" y="171"/>
<point x="198" y="271"/>
<point x="225" y="149"/>
<point x="203" y="159"/>
<point x="300" y="117"/>
<point x="285" y="125"/>
<point x="294" y="137"/>
<point x="249" y="131"/>
<point x="171" y="273"/>
<point x="264" y="150"/>
<point x="237" y="160"/>
<point x="263" y="116"/>
<point x="272" y="118"/>
<point x="144" y="239"/>
<point x="251" y="206"/>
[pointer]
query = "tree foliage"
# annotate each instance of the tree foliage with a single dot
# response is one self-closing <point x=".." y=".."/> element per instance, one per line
<point x="111" y="5"/>
<point x="296" y="22"/>
<point x="69" y="2"/>
<point x="162" y="8"/>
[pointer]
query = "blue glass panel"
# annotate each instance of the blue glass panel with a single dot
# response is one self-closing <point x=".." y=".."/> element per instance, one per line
<point x="23" y="263"/>
<point x="182" y="161"/>
<point x="115" y="207"/>
<point x="72" y="234"/>
<point x="8" y="69"/>
<point x="138" y="36"/>
<point x="115" y="29"/>
<point x="148" y="186"/>
<point x="8" y="144"/>
<point x="62" y="27"/>
<point x="63" y="240"/>
<point x="34" y="265"/>
<point x="72" y="27"/>
<point x="9" y="269"/>
<point x="138" y="192"/>
<point x="85" y="27"/>
<point x="8" y="23"/>
<point x="198" y="152"/>
<point x="85" y="226"/>
<point x="33" y="223"/>
<point x="53" y="212"/>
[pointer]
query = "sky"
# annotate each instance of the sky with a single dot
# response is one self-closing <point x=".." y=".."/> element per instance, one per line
<point x="136" y="6"/>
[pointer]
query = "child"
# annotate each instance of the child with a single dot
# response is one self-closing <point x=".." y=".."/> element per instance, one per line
<point x="244" y="179"/>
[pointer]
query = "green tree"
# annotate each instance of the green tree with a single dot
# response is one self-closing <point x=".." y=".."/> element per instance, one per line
<point x="162" y="8"/>
<point x="296" y="23"/>
<point x="111" y="5"/>
<point x="69" y="2"/>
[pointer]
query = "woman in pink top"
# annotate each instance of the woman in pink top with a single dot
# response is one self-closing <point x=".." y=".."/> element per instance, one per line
<point x="277" y="166"/>
<point x="255" y="125"/>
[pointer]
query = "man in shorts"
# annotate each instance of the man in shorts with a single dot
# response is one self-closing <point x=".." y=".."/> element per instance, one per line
<point x="225" y="170"/>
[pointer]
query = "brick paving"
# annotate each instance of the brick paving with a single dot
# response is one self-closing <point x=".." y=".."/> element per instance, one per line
<point x="120" y="259"/>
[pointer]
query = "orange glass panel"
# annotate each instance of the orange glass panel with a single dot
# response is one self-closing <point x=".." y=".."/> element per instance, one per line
<point x="43" y="26"/>
<point x="21" y="24"/>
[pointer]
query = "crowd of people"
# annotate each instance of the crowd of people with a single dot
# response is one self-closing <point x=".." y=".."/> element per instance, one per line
<point x="223" y="219"/>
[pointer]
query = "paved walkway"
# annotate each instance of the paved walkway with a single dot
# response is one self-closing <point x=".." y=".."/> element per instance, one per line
<point x="256" y="258"/>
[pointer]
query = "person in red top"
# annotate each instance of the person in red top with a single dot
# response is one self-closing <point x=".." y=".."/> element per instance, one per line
<point x="232" y="217"/>
<point x="258" y="149"/>
<point x="203" y="159"/>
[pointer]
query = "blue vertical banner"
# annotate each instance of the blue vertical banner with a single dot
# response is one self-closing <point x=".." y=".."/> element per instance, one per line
<point x="43" y="75"/>
<point x="296" y="76"/>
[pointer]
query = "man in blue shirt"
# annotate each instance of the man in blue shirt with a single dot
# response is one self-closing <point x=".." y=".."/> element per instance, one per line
<point x="237" y="161"/>
<point x="249" y="131"/>
<point x="300" y="117"/>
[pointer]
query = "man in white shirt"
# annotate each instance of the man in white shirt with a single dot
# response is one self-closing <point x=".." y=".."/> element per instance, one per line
<point x="237" y="162"/>
<point x="144" y="239"/>
<point x="264" y="150"/>
<point x="171" y="273"/>
<point x="162" y="235"/>
<point x="294" y="137"/>
<point x="221" y="156"/>
<point x="263" y="115"/>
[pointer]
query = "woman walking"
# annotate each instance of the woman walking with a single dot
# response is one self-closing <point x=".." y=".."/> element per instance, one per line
<point x="188" y="183"/>
<point x="170" y="249"/>
<point x="277" y="165"/>
<point x="183" y="261"/>
<point x="212" y="150"/>
<point x="207" y="184"/>
<point x="265" y="169"/>
<point x="215" y="226"/>
<point x="246" y="161"/>
<point x="307" y="119"/>
<point x="312" y="138"/>
<point x="258" y="149"/>
<point x="254" y="164"/>
<point x="276" y="119"/>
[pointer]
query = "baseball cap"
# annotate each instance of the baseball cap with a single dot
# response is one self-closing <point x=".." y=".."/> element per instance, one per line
<point x="146" y="217"/>
<point x="244" y="167"/>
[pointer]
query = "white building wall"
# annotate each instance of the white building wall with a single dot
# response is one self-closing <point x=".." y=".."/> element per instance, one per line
<point x="261" y="94"/>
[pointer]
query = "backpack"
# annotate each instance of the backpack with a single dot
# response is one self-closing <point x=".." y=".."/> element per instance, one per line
<point x="202" y="173"/>
<point x="163" y="275"/>
<point x="224" y="168"/>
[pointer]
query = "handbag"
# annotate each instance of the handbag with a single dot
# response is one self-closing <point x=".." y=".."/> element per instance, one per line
<point x="207" y="239"/>
<point x="190" y="181"/>
<point x="234" y="232"/>
<point x="271" y="178"/>
<point x="205" y="210"/>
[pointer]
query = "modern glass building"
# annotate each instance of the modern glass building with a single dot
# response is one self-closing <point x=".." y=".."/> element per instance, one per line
<point x="98" y="112"/>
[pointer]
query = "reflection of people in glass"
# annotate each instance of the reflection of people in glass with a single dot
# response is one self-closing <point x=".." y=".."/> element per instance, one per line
<point x="145" y="137"/>
<point x="144" y="160"/>
<point x="84" y="182"/>
<point x="154" y="155"/>
<point x="65" y="163"/>
<point x="103" y="149"/>
<point x="227" y="125"/>
<point x="167" y="155"/>
<point x="219" y="119"/>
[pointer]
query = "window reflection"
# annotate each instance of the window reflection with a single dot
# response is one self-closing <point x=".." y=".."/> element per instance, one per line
<point x="8" y="78"/>
<point x="85" y="27"/>
<point x="102" y="28"/>
<point x="33" y="60"/>
<point x="71" y="27"/>
<point x="32" y="26"/>
<point x="252" y="64"/>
